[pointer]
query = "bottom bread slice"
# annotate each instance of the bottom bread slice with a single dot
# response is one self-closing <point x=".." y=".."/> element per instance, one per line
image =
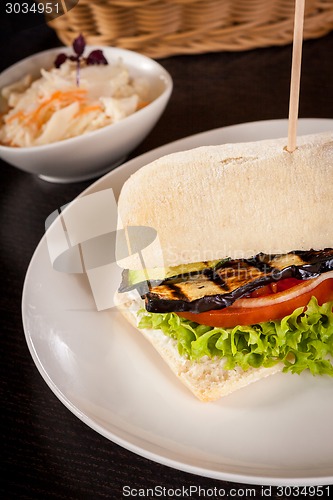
<point x="206" y="378"/>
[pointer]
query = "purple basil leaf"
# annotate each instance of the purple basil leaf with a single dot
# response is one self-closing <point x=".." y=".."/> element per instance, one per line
<point x="96" y="57"/>
<point x="73" y="58"/>
<point x="79" y="45"/>
<point x="60" y="59"/>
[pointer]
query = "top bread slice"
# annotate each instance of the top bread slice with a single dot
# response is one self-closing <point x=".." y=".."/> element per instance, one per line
<point x="233" y="200"/>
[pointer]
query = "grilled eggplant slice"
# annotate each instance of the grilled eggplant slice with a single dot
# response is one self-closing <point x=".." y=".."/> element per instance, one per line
<point x="220" y="286"/>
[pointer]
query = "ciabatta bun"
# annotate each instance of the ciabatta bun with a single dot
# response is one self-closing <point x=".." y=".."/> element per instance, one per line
<point x="206" y="378"/>
<point x="234" y="200"/>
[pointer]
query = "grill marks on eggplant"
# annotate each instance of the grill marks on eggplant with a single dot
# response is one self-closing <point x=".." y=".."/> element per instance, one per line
<point x="219" y="287"/>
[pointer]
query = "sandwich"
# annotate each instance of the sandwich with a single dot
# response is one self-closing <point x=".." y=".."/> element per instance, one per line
<point x="238" y="283"/>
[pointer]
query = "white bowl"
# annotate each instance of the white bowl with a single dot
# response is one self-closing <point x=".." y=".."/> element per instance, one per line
<point x="94" y="153"/>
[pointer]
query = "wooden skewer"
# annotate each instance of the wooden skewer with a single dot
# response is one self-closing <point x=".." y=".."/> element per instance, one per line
<point x="295" y="74"/>
<point x="64" y="6"/>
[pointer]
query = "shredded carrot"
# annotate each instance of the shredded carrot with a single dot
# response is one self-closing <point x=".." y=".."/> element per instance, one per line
<point x="65" y="98"/>
<point x="142" y="104"/>
<point x="88" y="109"/>
<point x="19" y="115"/>
<point x="58" y="99"/>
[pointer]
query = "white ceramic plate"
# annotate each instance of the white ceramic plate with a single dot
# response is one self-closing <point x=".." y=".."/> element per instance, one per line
<point x="277" y="431"/>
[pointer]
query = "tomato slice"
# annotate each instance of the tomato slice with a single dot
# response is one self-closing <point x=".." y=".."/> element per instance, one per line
<point x="275" y="287"/>
<point x="271" y="306"/>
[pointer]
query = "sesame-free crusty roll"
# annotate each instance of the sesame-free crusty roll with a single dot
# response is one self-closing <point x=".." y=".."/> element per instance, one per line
<point x="233" y="200"/>
<point x="236" y="201"/>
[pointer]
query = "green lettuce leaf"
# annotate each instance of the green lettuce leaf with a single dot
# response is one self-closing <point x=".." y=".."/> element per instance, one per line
<point x="303" y="340"/>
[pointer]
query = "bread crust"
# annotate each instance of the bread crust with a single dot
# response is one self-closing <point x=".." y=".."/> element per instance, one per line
<point x="233" y="200"/>
<point x="206" y="378"/>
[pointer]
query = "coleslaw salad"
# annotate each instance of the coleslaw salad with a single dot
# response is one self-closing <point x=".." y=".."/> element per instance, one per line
<point x="53" y="108"/>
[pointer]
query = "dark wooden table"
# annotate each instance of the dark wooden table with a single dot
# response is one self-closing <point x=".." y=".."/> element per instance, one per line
<point x="46" y="451"/>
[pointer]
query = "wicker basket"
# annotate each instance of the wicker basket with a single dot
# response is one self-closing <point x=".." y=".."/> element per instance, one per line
<point x="160" y="28"/>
